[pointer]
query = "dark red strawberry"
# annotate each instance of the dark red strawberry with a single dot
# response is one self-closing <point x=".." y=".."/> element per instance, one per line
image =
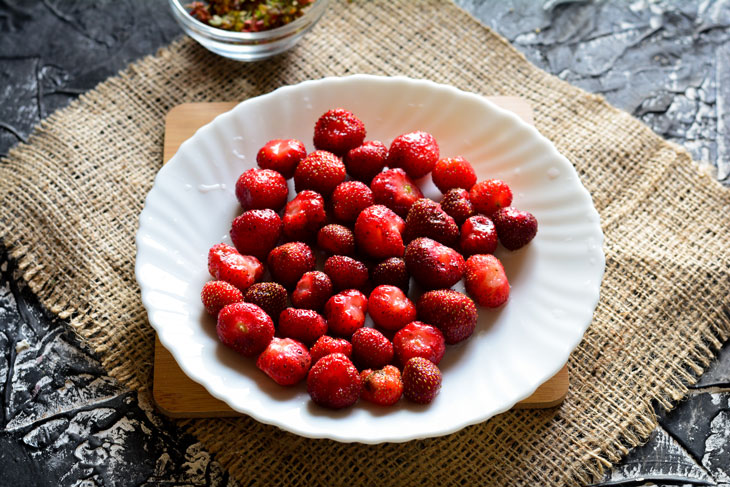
<point x="287" y="263"/>
<point x="349" y="199"/>
<point x="427" y="219"/>
<point x="364" y="162"/>
<point x="226" y="264"/>
<point x="305" y="325"/>
<point x="370" y="348"/>
<point x="383" y="387"/>
<point x="256" y="232"/>
<point x="326" y="345"/>
<point x="378" y="232"/>
<point x="346" y="272"/>
<point x="450" y="311"/>
<point x="391" y="271"/>
<point x="453" y="172"/>
<point x="416" y="152"/>
<point x="490" y="195"/>
<point x="421" y="380"/>
<point x="390" y="308"/>
<point x="394" y="189"/>
<point x="281" y="156"/>
<point x="285" y="360"/>
<point x="345" y="312"/>
<point x="217" y="294"/>
<point x="336" y="239"/>
<point x="269" y="296"/>
<point x="312" y="291"/>
<point x="456" y="203"/>
<point x="486" y="280"/>
<point x="334" y="382"/>
<point x="245" y="328"/>
<point x="515" y="228"/>
<point x="320" y="171"/>
<point x="478" y="236"/>
<point x="304" y="216"/>
<point x="432" y="264"/>
<point x="418" y="339"/>
<point x="338" y="131"/>
<point x="261" y="188"/>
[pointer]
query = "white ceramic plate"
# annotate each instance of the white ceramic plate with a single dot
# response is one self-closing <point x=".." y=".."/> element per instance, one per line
<point x="555" y="279"/>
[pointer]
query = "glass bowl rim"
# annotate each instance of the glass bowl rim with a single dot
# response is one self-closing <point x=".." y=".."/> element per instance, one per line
<point x="314" y="11"/>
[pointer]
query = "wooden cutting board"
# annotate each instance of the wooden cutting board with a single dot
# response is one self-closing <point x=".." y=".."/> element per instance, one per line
<point x="178" y="396"/>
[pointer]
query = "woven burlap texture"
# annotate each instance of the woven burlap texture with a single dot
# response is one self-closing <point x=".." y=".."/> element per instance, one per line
<point x="72" y="195"/>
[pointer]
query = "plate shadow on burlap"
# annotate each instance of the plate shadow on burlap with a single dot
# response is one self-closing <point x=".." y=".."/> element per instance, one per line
<point x="662" y="316"/>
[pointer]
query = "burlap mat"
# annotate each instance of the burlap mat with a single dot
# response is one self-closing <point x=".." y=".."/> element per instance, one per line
<point x="71" y="198"/>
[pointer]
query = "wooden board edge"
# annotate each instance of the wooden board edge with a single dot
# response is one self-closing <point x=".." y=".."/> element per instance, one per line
<point x="549" y="394"/>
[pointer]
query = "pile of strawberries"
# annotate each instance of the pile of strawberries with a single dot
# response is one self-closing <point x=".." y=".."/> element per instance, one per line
<point x="378" y="232"/>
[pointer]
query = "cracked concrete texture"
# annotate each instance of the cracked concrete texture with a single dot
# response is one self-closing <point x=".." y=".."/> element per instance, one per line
<point x="662" y="61"/>
<point x="65" y="422"/>
<point x="62" y="417"/>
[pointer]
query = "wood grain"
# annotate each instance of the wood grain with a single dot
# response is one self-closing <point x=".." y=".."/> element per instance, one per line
<point x="178" y="396"/>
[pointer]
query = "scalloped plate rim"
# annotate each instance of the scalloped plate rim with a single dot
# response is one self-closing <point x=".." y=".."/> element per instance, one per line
<point x="166" y="337"/>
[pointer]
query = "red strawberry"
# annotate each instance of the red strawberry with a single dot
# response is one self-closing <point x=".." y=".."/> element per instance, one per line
<point x="226" y="264"/>
<point x="285" y="360"/>
<point x="433" y="265"/>
<point x="304" y="216"/>
<point x="421" y="380"/>
<point x="320" y="171"/>
<point x="338" y="131"/>
<point x="394" y="189"/>
<point x="490" y="195"/>
<point x="383" y="387"/>
<point x="390" y="308"/>
<point x="478" y="236"/>
<point x="217" y="294"/>
<point x="450" y="311"/>
<point x="364" y="162"/>
<point x="305" y="325"/>
<point x="515" y="228"/>
<point x="261" y="188"/>
<point x="326" y="345"/>
<point x="281" y="156"/>
<point x="312" y="291"/>
<point x="256" y="232"/>
<point x="336" y="239"/>
<point x="416" y="152"/>
<point x="346" y="272"/>
<point x="345" y="312"/>
<point x="378" y="232"/>
<point x="288" y="262"/>
<point x="349" y="199"/>
<point x="427" y="219"/>
<point x="269" y="296"/>
<point x="370" y="348"/>
<point x="245" y="328"/>
<point x="486" y="281"/>
<point x="216" y="255"/>
<point x="453" y="172"/>
<point x="417" y="339"/>
<point x="334" y="382"/>
<point x="391" y="271"/>
<point x="456" y="203"/>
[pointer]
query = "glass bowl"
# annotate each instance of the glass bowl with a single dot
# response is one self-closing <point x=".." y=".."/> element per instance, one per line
<point x="247" y="46"/>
